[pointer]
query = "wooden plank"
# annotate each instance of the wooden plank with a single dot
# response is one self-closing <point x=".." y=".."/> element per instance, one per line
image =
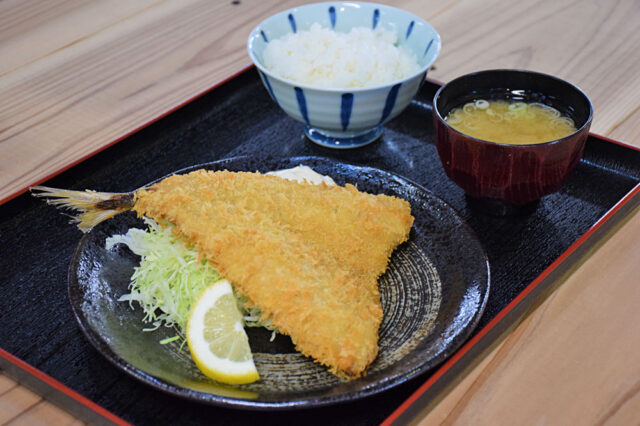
<point x="71" y="103"/>
<point x="573" y="361"/>
<point x="16" y="401"/>
<point x="628" y="128"/>
<point x="32" y="30"/>
<point x="6" y="384"/>
<point x="45" y="414"/>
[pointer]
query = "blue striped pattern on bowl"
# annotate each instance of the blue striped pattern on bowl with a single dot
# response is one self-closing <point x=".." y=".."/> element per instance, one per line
<point x="350" y="110"/>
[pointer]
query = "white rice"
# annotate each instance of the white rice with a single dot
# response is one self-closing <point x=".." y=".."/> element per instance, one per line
<point x="326" y="58"/>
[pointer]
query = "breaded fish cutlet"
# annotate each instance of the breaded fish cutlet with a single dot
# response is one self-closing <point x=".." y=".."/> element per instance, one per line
<point x="308" y="256"/>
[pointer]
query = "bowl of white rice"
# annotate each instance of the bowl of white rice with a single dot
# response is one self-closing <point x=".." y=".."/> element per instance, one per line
<point x="343" y="68"/>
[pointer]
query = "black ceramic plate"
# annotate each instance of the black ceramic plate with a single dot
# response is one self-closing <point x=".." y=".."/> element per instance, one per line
<point x="433" y="295"/>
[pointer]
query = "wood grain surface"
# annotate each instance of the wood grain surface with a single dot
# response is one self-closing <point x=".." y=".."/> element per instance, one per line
<point x="77" y="75"/>
<point x="20" y="406"/>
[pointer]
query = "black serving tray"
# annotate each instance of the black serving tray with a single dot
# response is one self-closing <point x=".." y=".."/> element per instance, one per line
<point x="43" y="347"/>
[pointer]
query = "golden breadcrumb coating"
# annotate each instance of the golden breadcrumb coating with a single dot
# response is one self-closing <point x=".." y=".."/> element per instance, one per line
<point x="307" y="255"/>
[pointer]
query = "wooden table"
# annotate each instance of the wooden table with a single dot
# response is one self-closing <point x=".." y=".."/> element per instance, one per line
<point x="77" y="75"/>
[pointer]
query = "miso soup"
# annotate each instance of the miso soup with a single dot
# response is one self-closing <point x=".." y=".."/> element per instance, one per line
<point x="510" y="121"/>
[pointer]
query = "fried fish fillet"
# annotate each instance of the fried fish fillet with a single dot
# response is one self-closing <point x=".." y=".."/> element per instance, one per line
<point x="308" y="256"/>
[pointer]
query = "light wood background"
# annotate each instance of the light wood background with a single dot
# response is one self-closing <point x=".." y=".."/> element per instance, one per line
<point x="76" y="75"/>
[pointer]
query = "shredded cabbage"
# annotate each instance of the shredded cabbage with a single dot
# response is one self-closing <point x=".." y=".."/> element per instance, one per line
<point x="170" y="278"/>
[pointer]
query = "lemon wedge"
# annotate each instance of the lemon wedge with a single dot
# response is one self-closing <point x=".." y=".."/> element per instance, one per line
<point x="218" y="343"/>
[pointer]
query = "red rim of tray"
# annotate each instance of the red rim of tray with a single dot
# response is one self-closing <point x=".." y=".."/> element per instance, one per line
<point x="436" y="375"/>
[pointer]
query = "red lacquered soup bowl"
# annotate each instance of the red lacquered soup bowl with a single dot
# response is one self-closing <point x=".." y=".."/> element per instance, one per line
<point x="517" y="175"/>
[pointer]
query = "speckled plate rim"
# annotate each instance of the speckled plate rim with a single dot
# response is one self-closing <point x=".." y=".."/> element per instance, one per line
<point x="98" y="342"/>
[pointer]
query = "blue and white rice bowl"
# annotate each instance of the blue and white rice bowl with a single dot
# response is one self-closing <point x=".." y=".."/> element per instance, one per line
<point x="345" y="117"/>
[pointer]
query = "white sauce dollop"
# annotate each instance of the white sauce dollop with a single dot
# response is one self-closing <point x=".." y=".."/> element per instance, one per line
<point x="303" y="174"/>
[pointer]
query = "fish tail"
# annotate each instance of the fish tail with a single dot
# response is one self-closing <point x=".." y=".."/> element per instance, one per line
<point x="92" y="207"/>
